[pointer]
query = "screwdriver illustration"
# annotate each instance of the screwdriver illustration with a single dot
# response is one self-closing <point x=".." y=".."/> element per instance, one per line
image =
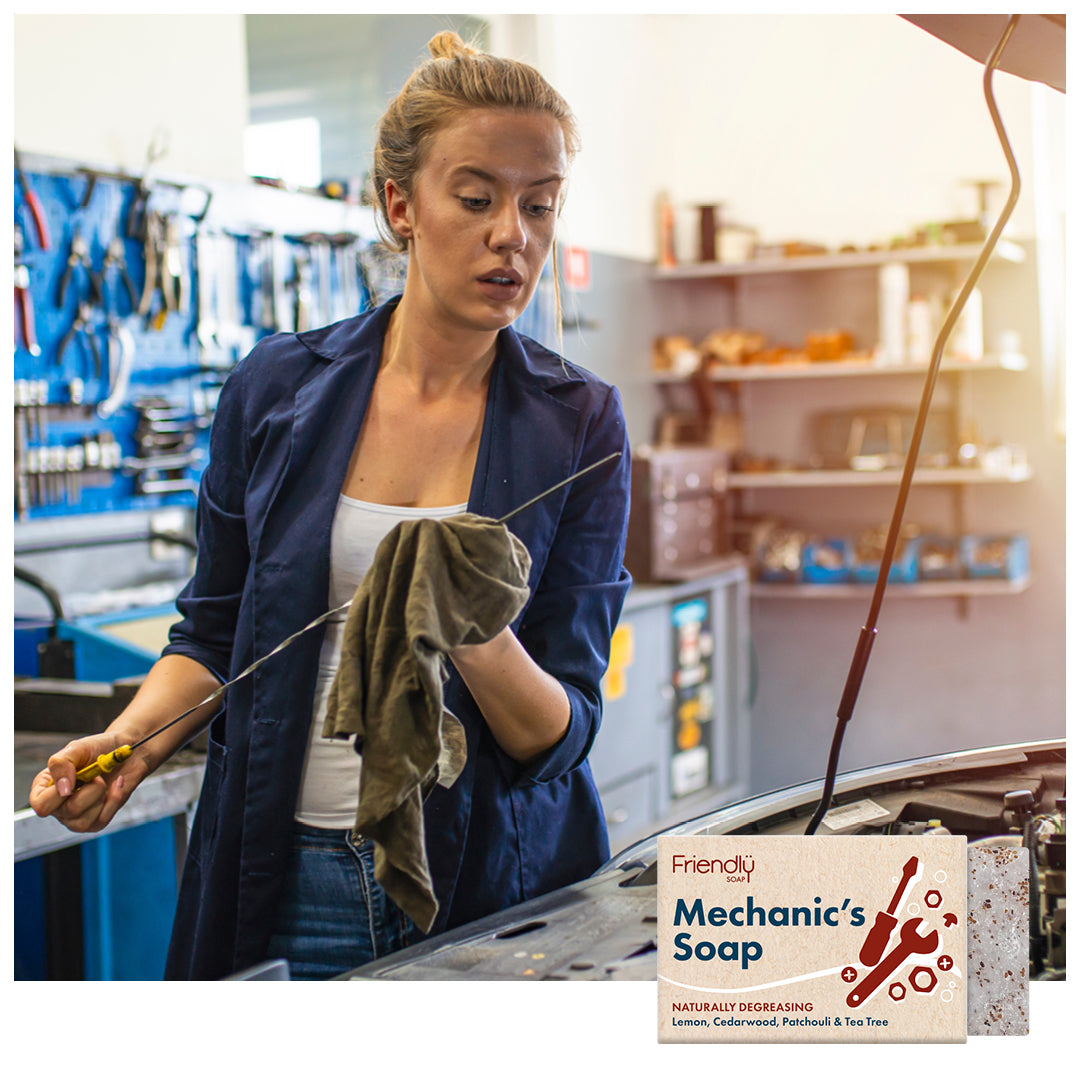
<point x="874" y="946"/>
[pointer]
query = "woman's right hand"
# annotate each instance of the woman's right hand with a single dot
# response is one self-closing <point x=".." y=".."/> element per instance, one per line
<point x="87" y="807"/>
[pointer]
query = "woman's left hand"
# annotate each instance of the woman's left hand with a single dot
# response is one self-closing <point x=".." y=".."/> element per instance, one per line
<point x="526" y="709"/>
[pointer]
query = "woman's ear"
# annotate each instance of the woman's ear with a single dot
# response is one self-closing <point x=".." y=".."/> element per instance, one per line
<point x="397" y="211"/>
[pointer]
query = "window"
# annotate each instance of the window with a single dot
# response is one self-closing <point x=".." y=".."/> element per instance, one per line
<point x="339" y="71"/>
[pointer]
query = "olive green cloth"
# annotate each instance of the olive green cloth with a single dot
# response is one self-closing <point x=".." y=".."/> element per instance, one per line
<point x="434" y="585"/>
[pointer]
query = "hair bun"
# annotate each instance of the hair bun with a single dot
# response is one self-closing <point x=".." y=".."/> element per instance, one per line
<point x="447" y="45"/>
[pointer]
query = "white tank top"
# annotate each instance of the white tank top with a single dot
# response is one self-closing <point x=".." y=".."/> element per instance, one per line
<point x="330" y="781"/>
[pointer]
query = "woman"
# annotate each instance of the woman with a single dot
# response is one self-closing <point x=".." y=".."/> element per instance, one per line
<point x="322" y="441"/>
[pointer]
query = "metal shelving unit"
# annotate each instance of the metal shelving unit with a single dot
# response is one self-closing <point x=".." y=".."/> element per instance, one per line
<point x="853" y="260"/>
<point x="957" y="374"/>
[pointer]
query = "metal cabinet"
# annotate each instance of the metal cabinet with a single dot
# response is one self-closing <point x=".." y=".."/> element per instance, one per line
<point x="676" y="730"/>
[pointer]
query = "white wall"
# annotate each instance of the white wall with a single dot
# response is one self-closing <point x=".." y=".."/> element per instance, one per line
<point x="95" y="87"/>
<point x="833" y="128"/>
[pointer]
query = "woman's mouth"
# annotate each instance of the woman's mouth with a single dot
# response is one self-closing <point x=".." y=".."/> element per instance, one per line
<point x="501" y="285"/>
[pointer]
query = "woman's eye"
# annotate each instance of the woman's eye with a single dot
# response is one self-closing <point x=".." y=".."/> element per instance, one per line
<point x="539" y="211"/>
<point x="471" y="203"/>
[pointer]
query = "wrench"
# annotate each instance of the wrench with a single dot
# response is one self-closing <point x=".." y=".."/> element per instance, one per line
<point x="911" y="942"/>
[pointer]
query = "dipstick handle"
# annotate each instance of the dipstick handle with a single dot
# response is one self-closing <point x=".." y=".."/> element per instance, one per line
<point x="105" y="764"/>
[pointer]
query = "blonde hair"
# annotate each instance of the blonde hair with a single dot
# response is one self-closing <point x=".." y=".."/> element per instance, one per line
<point x="456" y="77"/>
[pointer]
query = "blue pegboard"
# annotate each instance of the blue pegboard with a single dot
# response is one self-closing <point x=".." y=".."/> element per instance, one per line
<point x="166" y="361"/>
<point x="169" y="362"/>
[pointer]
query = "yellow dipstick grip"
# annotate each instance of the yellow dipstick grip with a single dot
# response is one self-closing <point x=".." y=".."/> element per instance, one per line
<point x="104" y="764"/>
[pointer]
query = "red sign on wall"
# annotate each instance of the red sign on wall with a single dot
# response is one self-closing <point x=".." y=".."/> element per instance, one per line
<point x="576" y="271"/>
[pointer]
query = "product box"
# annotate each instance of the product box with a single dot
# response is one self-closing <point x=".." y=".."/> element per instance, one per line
<point x="812" y="939"/>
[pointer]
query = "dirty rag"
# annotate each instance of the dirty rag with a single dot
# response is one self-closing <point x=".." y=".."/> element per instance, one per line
<point x="434" y="585"/>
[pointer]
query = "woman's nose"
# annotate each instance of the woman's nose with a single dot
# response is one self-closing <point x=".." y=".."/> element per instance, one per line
<point x="508" y="229"/>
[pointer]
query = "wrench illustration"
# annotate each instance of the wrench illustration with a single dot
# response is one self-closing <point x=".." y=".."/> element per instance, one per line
<point x="911" y="942"/>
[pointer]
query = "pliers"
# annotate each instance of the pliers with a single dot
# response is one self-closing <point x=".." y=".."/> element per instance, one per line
<point x="115" y="257"/>
<point x="81" y="325"/>
<point x="162" y="264"/>
<point x="37" y="212"/>
<point x="79" y="256"/>
<point x="24" y="306"/>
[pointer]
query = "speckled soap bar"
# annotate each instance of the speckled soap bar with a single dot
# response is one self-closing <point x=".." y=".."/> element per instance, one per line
<point x="997" y="992"/>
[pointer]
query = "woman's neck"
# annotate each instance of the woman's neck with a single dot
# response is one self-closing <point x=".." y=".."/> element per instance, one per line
<point x="431" y="358"/>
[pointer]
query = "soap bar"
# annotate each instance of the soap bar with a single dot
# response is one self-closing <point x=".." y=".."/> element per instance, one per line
<point x="812" y="939"/>
<point x="998" y="938"/>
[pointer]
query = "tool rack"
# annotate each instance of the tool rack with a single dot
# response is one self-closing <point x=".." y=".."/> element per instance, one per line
<point x="138" y="295"/>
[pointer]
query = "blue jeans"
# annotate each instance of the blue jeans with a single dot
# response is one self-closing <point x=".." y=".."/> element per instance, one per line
<point x="333" y="915"/>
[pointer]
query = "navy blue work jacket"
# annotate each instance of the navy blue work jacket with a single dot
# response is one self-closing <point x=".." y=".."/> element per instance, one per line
<point x="286" y="424"/>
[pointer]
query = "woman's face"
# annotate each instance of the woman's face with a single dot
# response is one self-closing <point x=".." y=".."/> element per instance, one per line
<point x="481" y="219"/>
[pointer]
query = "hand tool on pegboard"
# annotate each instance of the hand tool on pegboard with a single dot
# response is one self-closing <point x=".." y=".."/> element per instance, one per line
<point x="24" y="303"/>
<point x="120" y="359"/>
<point x="114" y="260"/>
<point x="137" y="218"/>
<point x="83" y="327"/>
<point x="78" y="256"/>
<point x="159" y="273"/>
<point x="37" y="211"/>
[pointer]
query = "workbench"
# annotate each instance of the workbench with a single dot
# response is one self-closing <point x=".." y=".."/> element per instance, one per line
<point x="99" y="905"/>
<point x="169" y="792"/>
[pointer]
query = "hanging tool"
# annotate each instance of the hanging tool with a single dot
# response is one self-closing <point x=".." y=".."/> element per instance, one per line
<point x="114" y="258"/>
<point x="24" y="304"/>
<point x="175" y="261"/>
<point x="300" y="283"/>
<point x="82" y="326"/>
<point x="120" y="369"/>
<point x="105" y="763"/>
<point x="22" y="444"/>
<point x="874" y="946"/>
<point x="37" y="211"/>
<point x="137" y="217"/>
<point x="79" y="255"/>
<point x="158" y="276"/>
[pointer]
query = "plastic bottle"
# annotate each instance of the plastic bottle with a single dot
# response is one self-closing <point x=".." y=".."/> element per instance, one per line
<point x="966" y="340"/>
<point x="665" y="239"/>
<point x="894" y="293"/>
<point x="920" y="330"/>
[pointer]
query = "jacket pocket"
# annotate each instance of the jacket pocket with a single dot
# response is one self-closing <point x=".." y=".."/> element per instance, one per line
<point x="208" y="809"/>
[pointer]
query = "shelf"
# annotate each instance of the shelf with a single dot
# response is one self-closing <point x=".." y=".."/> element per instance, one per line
<point x="1005" y="249"/>
<point x="811" y="478"/>
<point x="767" y="590"/>
<point x="854" y="368"/>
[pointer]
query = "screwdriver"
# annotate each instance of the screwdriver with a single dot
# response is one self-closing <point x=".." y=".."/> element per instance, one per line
<point x="107" y="762"/>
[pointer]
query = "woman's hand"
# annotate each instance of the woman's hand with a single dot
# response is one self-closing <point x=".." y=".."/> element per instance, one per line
<point x="174" y="684"/>
<point x="526" y="709"/>
<point x="91" y="806"/>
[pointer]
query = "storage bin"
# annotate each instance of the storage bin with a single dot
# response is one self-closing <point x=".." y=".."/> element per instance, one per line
<point x="939" y="559"/>
<point x="1002" y="557"/>
<point x="904" y="569"/>
<point x="826" y="562"/>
